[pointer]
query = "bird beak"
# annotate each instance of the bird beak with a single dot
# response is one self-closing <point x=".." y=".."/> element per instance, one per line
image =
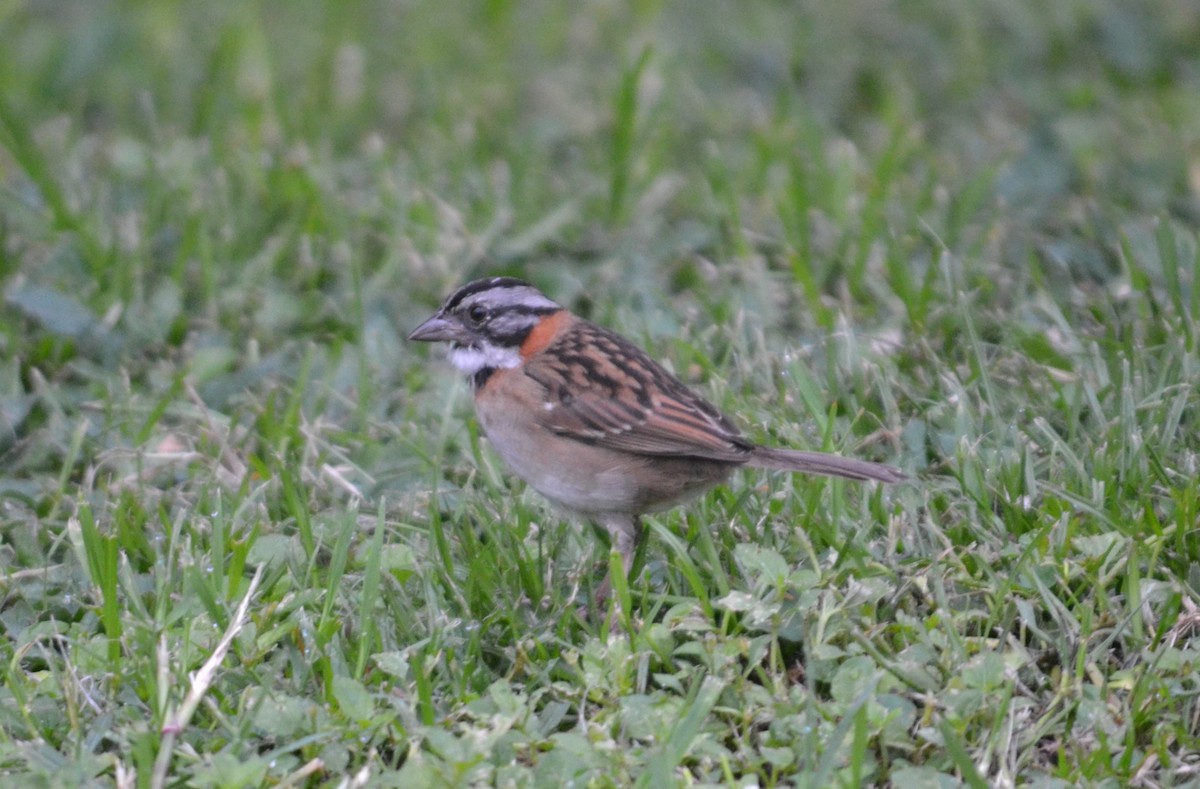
<point x="438" y="329"/>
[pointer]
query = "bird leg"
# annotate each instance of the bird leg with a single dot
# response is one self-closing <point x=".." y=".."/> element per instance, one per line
<point x="625" y="533"/>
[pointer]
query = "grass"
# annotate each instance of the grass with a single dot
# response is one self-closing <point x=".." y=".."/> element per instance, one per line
<point x="249" y="536"/>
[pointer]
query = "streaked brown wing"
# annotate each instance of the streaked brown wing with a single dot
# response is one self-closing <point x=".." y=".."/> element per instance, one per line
<point x="601" y="389"/>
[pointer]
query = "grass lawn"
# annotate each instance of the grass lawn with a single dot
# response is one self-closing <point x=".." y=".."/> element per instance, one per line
<point x="249" y="536"/>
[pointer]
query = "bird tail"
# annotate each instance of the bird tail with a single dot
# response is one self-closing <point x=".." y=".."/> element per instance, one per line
<point x="823" y="463"/>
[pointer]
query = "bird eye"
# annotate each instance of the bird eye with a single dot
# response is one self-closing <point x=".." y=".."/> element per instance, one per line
<point x="477" y="314"/>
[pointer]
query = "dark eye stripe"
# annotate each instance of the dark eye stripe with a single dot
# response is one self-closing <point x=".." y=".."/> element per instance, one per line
<point x="525" y="310"/>
<point x="509" y="326"/>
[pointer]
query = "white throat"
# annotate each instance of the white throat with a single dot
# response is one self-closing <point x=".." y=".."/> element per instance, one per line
<point x="472" y="360"/>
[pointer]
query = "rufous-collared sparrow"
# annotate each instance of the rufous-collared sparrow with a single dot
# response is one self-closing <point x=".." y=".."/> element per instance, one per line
<point x="589" y="420"/>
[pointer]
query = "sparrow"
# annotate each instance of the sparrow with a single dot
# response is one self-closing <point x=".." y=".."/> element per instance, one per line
<point x="589" y="420"/>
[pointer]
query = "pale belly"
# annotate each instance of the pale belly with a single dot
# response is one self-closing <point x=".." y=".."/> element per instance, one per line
<point x="590" y="479"/>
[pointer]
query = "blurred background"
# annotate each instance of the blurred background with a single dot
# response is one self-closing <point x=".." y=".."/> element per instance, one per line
<point x="960" y="236"/>
<point x="222" y="182"/>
